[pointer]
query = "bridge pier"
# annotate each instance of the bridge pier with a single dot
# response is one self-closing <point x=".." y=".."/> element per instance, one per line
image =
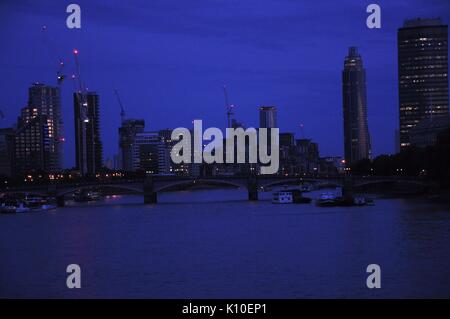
<point x="60" y="201"/>
<point x="252" y="188"/>
<point x="347" y="189"/>
<point x="150" y="196"/>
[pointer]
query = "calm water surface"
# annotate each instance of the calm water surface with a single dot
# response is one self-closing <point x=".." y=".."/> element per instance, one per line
<point x="215" y="244"/>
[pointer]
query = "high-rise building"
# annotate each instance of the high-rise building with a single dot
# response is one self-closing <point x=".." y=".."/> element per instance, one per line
<point x="307" y="153"/>
<point x="150" y="154"/>
<point x="6" y="151"/>
<point x="88" y="144"/>
<point x="426" y="132"/>
<point x="38" y="139"/>
<point x="422" y="73"/>
<point x="268" y="117"/>
<point x="127" y="133"/>
<point x="356" y="129"/>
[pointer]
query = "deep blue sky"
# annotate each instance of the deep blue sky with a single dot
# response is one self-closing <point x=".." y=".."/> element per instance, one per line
<point x="169" y="60"/>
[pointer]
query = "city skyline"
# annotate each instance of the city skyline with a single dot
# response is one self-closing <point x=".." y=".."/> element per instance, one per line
<point x="291" y="91"/>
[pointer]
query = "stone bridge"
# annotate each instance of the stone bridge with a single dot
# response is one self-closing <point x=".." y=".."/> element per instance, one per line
<point x="152" y="185"/>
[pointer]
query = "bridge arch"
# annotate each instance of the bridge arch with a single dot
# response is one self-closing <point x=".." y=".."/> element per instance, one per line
<point x="87" y="187"/>
<point x="193" y="182"/>
<point x="392" y="182"/>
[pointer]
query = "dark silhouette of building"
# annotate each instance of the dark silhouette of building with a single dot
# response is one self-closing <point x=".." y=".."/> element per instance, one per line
<point x="127" y="135"/>
<point x="150" y="153"/>
<point x="38" y="138"/>
<point x="88" y="145"/>
<point x="268" y="117"/>
<point x="427" y="131"/>
<point x="6" y="151"/>
<point x="422" y="73"/>
<point x="356" y="130"/>
<point x="288" y="155"/>
<point x="308" y="160"/>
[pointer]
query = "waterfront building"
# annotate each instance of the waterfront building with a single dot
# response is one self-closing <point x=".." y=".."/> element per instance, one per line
<point x="427" y="131"/>
<point x="422" y="73"/>
<point x="268" y="117"/>
<point x="6" y="151"/>
<point x="88" y="144"/>
<point x="307" y="157"/>
<point x="356" y="131"/>
<point x="127" y="134"/>
<point x="38" y="139"/>
<point x="150" y="154"/>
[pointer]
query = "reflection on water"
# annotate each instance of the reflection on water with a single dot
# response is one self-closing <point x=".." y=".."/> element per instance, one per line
<point x="215" y="244"/>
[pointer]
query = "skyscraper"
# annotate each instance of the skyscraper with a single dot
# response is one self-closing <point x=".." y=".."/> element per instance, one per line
<point x="6" y="151"/>
<point x="356" y="129"/>
<point x="127" y="134"/>
<point x="150" y="154"/>
<point x="268" y="117"/>
<point x="38" y="138"/>
<point x="422" y="73"/>
<point x="88" y="144"/>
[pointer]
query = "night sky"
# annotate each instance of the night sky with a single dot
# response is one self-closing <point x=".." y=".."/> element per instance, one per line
<point x="170" y="59"/>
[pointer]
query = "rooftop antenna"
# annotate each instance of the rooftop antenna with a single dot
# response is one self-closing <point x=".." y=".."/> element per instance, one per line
<point x="302" y="133"/>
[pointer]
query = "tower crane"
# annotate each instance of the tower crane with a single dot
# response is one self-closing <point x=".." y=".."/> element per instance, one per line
<point x="54" y="52"/>
<point x="229" y="107"/>
<point x="122" y="111"/>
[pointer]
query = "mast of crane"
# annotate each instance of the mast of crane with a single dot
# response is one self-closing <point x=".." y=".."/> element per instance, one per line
<point x="122" y="111"/>
<point x="77" y="71"/>
<point x="229" y="107"/>
<point x="49" y="43"/>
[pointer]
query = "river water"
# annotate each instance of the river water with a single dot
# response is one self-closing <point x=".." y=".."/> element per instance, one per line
<point x="215" y="244"/>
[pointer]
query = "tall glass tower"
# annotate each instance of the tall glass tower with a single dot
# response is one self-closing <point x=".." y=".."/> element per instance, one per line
<point x="356" y="130"/>
<point x="422" y="73"/>
<point x="88" y="144"/>
<point x="268" y="117"/>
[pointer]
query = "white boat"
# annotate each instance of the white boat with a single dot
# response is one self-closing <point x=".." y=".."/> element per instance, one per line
<point x="359" y="201"/>
<point x="326" y="199"/>
<point x="22" y="209"/>
<point x="305" y="188"/>
<point x="282" y="197"/>
<point x="7" y="209"/>
<point x="48" y="207"/>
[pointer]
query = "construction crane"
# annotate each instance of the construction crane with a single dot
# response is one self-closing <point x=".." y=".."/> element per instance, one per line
<point x="81" y="89"/>
<point x="229" y="107"/>
<point x="53" y="52"/>
<point x="59" y="75"/>
<point x="77" y="76"/>
<point x="122" y="111"/>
